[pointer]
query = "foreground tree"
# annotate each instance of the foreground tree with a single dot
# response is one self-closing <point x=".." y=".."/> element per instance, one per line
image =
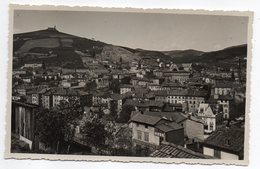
<point x="58" y="125"/>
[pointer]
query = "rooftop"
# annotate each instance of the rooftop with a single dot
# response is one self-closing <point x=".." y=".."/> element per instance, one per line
<point x="230" y="139"/>
<point x="168" y="126"/>
<point x="145" y="119"/>
<point x="170" y="150"/>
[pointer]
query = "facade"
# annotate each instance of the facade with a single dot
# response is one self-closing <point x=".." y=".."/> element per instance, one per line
<point x="151" y="131"/>
<point x="191" y="99"/>
<point x="33" y="65"/>
<point x="226" y="143"/>
<point x="173" y="76"/>
<point x="125" y="88"/>
<point x="206" y="113"/>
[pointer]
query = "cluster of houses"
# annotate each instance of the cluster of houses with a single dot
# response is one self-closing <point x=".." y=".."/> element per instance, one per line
<point x="173" y="106"/>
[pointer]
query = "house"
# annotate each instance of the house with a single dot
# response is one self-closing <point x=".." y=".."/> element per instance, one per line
<point x="158" y="73"/>
<point x="226" y="101"/>
<point x="179" y="76"/>
<point x="209" y="117"/>
<point x="33" y="65"/>
<point x="49" y="75"/>
<point x="102" y="82"/>
<point x="145" y="105"/>
<point x="68" y="84"/>
<point x="18" y="72"/>
<point x="60" y="94"/>
<point x="154" y="87"/>
<point x="23" y="122"/>
<point x="187" y="66"/>
<point x="116" y="103"/>
<point x="140" y="81"/>
<point x="67" y="76"/>
<point x="150" y="131"/>
<point x="36" y="94"/>
<point x="222" y="88"/>
<point x="26" y="79"/>
<point x="189" y="98"/>
<point x="47" y="99"/>
<point x="226" y="143"/>
<point x="124" y="88"/>
<point x="193" y="127"/>
<point x="171" y="150"/>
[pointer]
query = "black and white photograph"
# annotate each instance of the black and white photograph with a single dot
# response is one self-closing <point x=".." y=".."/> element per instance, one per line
<point x="137" y="84"/>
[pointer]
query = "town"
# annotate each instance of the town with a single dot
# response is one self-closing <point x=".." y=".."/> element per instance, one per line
<point x="138" y="108"/>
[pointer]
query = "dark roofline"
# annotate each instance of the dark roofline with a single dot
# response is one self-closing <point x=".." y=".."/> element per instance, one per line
<point x="25" y="104"/>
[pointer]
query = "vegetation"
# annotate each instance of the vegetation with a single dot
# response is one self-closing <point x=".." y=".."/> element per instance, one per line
<point x="55" y="126"/>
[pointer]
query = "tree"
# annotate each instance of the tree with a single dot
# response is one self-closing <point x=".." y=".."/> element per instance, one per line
<point x="126" y="113"/>
<point x="71" y="111"/>
<point x="114" y="86"/>
<point x="94" y="132"/>
<point x="91" y="86"/>
<point x="54" y="126"/>
<point x="49" y="127"/>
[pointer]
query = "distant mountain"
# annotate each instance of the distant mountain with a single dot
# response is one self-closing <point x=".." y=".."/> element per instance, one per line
<point x="60" y="49"/>
<point x="221" y="56"/>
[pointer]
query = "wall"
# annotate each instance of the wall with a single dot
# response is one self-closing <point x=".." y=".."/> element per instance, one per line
<point x="152" y="138"/>
<point x="208" y="151"/>
<point x="194" y="129"/>
<point x="223" y="155"/>
<point x="176" y="137"/>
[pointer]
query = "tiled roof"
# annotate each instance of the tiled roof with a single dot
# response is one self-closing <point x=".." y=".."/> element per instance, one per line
<point x="145" y="119"/>
<point x="230" y="139"/>
<point x="148" y="103"/>
<point x="168" y="126"/>
<point x="225" y="84"/>
<point x="170" y="150"/>
<point x="196" y="93"/>
<point x="173" y="116"/>
<point x="225" y="97"/>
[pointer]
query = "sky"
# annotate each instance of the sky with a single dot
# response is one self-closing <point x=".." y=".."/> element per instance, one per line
<point x="152" y="31"/>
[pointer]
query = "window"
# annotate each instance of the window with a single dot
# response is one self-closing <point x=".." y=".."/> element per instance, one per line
<point x="139" y="135"/>
<point x="217" y="153"/>
<point x="146" y="136"/>
<point x="211" y="126"/>
<point x="146" y="126"/>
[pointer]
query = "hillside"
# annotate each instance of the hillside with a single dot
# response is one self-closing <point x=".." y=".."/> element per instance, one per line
<point x="114" y="53"/>
<point x="56" y="48"/>
<point x="222" y="56"/>
<point x="52" y="47"/>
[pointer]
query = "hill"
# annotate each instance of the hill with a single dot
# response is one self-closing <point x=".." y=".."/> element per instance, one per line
<point x="52" y="47"/>
<point x="56" y="48"/>
<point x="221" y="56"/>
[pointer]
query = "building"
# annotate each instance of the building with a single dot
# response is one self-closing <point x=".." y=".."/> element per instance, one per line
<point x="47" y="99"/>
<point x="116" y="103"/>
<point x="193" y="127"/>
<point x="102" y="82"/>
<point x="23" y="122"/>
<point x="222" y="88"/>
<point x="187" y="66"/>
<point x="125" y="88"/>
<point x="33" y="65"/>
<point x="179" y="76"/>
<point x="209" y="117"/>
<point x="189" y="98"/>
<point x="226" y="143"/>
<point x="60" y="94"/>
<point x="171" y="150"/>
<point x="150" y="131"/>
